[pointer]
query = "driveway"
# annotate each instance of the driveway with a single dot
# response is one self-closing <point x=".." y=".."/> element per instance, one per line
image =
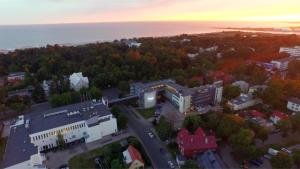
<point x="56" y="159"/>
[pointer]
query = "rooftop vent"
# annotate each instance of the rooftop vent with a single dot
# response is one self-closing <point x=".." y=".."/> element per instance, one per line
<point x="73" y="113"/>
<point x="55" y="113"/>
<point x="27" y="124"/>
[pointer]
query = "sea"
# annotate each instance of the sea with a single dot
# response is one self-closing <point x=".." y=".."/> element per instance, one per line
<point x="27" y="36"/>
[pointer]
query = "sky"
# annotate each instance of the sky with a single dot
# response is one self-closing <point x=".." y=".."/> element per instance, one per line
<point x="83" y="11"/>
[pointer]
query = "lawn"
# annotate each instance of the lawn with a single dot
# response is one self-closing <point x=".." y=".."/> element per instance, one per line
<point x="2" y="147"/>
<point x="146" y="113"/>
<point x="110" y="152"/>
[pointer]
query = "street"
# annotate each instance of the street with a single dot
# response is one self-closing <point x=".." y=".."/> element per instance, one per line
<point x="152" y="145"/>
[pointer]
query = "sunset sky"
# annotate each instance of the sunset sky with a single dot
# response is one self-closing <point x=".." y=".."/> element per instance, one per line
<point x="77" y="11"/>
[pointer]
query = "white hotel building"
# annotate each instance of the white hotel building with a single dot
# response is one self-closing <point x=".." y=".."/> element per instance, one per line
<point x="292" y="51"/>
<point x="34" y="133"/>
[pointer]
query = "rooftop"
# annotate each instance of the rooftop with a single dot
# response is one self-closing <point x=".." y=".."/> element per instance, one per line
<point x="294" y="100"/>
<point x="16" y="74"/>
<point x="20" y="149"/>
<point x="243" y="98"/>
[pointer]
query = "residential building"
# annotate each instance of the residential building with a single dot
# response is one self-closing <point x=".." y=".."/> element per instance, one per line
<point x="182" y="97"/>
<point x="282" y="64"/>
<point x="15" y="77"/>
<point x="278" y="116"/>
<point x="209" y="49"/>
<point x="293" y="104"/>
<point x="26" y="92"/>
<point x="191" y="144"/>
<point x="242" y="102"/>
<point x="256" y="88"/>
<point x="78" y="81"/>
<point x="243" y="85"/>
<point x="134" y="158"/>
<point x="192" y="55"/>
<point x="220" y="76"/>
<point x="34" y="133"/>
<point x="292" y="51"/>
<point x="132" y="43"/>
<point x="210" y="160"/>
<point x="46" y="85"/>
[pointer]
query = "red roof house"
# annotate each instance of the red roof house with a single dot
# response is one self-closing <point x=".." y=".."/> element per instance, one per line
<point x="256" y="114"/>
<point x="191" y="144"/>
<point x="133" y="157"/>
<point x="278" y="116"/>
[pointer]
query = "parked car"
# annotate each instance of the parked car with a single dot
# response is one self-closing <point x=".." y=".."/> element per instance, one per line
<point x="171" y="164"/>
<point x="64" y="166"/>
<point x="151" y="135"/>
<point x="254" y="162"/>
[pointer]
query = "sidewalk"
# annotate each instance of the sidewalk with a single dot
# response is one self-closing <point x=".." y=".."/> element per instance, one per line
<point x="56" y="159"/>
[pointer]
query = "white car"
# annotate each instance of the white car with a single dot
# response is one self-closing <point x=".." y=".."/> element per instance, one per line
<point x="151" y="135"/>
<point x="171" y="164"/>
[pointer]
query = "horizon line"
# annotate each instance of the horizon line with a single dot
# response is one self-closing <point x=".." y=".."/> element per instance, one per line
<point x="149" y="21"/>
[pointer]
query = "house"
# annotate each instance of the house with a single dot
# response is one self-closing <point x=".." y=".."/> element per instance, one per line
<point x="243" y="85"/>
<point x="32" y="134"/>
<point x="210" y="160"/>
<point x="209" y="49"/>
<point x="282" y="64"/>
<point x="259" y="118"/>
<point x="257" y="88"/>
<point x="293" y="104"/>
<point x="46" y="85"/>
<point x="191" y="144"/>
<point x="77" y="81"/>
<point x="192" y="55"/>
<point x="15" y="78"/>
<point x="278" y="116"/>
<point x="242" y="102"/>
<point x="133" y="157"/>
<point x="219" y="75"/>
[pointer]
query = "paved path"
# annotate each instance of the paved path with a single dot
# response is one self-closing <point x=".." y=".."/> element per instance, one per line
<point x="56" y="159"/>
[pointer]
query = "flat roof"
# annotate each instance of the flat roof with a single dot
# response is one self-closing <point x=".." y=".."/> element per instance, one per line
<point x="59" y="116"/>
<point x="19" y="148"/>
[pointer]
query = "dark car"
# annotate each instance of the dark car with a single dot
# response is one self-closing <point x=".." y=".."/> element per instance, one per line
<point x="64" y="166"/>
<point x="254" y="162"/>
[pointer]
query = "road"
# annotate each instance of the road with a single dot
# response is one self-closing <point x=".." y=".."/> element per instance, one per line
<point x="152" y="145"/>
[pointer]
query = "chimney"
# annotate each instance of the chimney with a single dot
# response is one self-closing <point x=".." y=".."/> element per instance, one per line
<point x="206" y="140"/>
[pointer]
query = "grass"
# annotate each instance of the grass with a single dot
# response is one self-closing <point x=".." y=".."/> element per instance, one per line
<point x="146" y="113"/>
<point x="85" y="160"/>
<point x="2" y="147"/>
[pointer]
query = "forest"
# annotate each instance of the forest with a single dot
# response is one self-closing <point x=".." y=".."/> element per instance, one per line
<point x="114" y="64"/>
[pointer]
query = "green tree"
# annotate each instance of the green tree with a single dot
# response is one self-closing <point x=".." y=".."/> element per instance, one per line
<point x="116" y="164"/>
<point x="163" y="129"/>
<point x="95" y="92"/>
<point x="192" y="122"/>
<point x="243" y="137"/>
<point x="190" y="164"/>
<point x="231" y="92"/>
<point x="284" y="126"/>
<point x="281" y="161"/>
<point x="122" y="119"/>
<point x="296" y="157"/>
<point x="60" y="140"/>
<point x="38" y="93"/>
<point x="262" y="133"/>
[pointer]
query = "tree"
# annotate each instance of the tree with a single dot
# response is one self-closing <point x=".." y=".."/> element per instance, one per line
<point x="231" y="92"/>
<point x="191" y="123"/>
<point x="60" y="140"/>
<point x="38" y="93"/>
<point x="284" y="126"/>
<point x="296" y="157"/>
<point x="95" y="92"/>
<point x="243" y="137"/>
<point x="281" y="160"/>
<point x="190" y="164"/>
<point x="117" y="164"/>
<point x="122" y="120"/>
<point x="262" y="133"/>
<point x="163" y="129"/>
